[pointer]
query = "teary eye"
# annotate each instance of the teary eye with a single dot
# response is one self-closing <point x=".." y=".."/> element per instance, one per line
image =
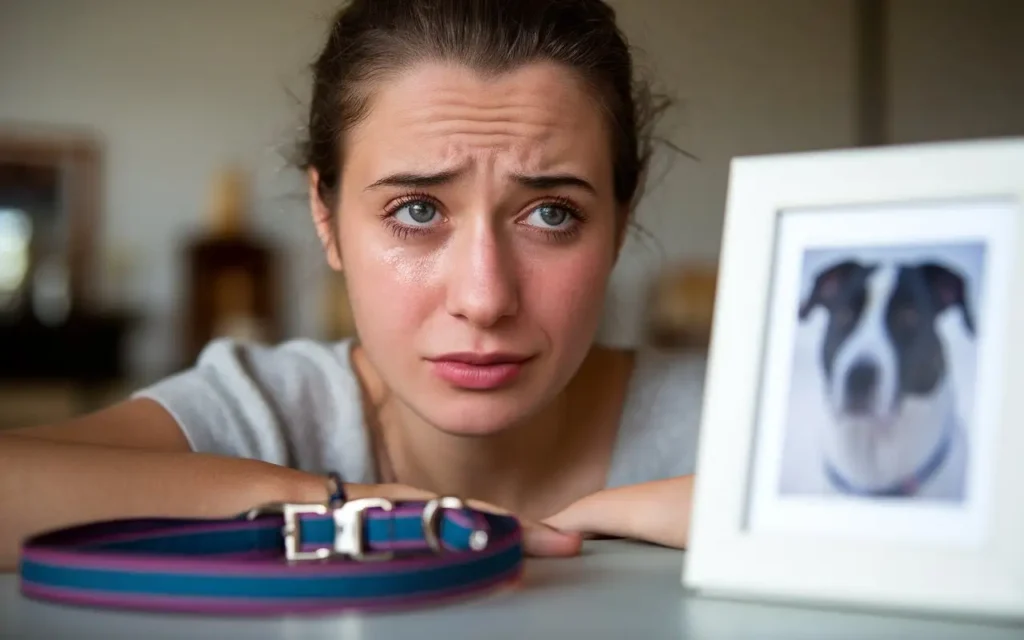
<point x="550" y="216"/>
<point x="417" y="212"/>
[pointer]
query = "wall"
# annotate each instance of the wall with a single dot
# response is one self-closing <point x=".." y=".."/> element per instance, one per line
<point x="178" y="88"/>
<point x="957" y="69"/>
<point x="749" y="77"/>
<point x="175" y="89"/>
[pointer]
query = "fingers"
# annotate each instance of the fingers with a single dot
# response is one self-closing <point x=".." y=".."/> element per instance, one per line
<point x="539" y="539"/>
<point x="655" y="512"/>
<point x="389" y="491"/>
<point x="543" y="541"/>
<point x="585" y="515"/>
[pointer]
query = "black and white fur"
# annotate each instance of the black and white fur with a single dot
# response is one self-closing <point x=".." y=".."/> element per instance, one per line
<point x="886" y="377"/>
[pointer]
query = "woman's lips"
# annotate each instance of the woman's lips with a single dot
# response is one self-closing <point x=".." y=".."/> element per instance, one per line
<point x="478" y="371"/>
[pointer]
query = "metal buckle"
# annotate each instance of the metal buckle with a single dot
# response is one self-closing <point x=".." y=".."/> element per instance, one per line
<point x="348" y="528"/>
<point x="477" y="539"/>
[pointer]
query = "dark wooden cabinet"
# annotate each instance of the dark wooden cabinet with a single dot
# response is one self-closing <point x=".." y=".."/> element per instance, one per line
<point x="86" y="349"/>
<point x="231" y="290"/>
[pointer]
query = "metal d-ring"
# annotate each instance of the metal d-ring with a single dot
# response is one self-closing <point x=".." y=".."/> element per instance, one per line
<point x="431" y="533"/>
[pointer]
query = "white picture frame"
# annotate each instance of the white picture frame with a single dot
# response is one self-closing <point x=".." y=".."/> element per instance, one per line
<point x="774" y="516"/>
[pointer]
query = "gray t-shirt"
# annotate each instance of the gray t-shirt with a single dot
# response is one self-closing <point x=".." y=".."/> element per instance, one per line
<point x="299" y="404"/>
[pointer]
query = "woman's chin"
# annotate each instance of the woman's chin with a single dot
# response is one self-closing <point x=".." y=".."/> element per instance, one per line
<point x="479" y="416"/>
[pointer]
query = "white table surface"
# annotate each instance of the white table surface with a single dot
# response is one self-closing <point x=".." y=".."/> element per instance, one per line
<point x="615" y="590"/>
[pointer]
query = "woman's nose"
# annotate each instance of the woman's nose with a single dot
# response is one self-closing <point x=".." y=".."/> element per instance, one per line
<point x="482" y="286"/>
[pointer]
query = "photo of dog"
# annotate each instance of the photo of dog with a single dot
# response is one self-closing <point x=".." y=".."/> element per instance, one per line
<point x="883" y="373"/>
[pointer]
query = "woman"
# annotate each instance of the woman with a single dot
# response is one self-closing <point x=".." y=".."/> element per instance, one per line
<point x="472" y="169"/>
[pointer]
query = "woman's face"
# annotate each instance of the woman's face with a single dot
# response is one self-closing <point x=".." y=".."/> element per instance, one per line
<point x="477" y="230"/>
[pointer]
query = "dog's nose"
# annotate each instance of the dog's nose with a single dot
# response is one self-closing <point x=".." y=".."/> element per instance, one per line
<point x="860" y="384"/>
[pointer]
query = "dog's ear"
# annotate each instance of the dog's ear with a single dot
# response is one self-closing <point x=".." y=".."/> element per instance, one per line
<point x="827" y="286"/>
<point x="948" y="289"/>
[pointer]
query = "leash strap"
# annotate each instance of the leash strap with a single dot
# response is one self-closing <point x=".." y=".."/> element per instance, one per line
<point x="365" y="554"/>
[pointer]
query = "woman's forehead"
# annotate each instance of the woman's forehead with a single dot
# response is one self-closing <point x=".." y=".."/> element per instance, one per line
<point x="535" y="118"/>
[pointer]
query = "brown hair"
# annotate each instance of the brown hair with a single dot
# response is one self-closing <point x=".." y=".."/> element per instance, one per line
<point x="372" y="38"/>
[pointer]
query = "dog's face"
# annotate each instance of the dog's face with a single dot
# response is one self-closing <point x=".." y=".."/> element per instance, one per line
<point x="881" y="344"/>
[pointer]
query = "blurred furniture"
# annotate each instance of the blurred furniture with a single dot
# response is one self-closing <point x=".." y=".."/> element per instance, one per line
<point x="231" y="275"/>
<point x="51" y="372"/>
<point x="681" y="306"/>
<point x="614" y="589"/>
<point x="86" y="349"/>
<point x="60" y="353"/>
<point x="50" y="180"/>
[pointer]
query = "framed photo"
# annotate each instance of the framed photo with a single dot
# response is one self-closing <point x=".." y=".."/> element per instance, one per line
<point x="863" y="425"/>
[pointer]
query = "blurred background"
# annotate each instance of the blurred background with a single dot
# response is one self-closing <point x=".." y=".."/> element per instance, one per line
<point x="147" y="203"/>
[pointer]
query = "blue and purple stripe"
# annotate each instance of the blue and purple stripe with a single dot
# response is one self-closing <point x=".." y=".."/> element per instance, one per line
<point x="237" y="566"/>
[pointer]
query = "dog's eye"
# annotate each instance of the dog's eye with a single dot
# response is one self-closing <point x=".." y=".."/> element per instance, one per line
<point x="907" y="317"/>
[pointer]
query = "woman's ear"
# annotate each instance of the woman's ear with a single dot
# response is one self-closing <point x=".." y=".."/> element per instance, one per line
<point x="323" y="221"/>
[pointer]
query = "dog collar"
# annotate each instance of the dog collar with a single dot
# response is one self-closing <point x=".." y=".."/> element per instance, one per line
<point x="362" y="554"/>
<point x="906" y="487"/>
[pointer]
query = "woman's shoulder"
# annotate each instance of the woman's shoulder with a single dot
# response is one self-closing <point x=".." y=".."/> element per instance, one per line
<point x="281" y="371"/>
<point x="296" y="403"/>
<point x="292" y="350"/>
<point x="661" y="416"/>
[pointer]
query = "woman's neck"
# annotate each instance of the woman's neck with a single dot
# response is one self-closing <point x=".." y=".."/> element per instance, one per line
<point x="557" y="454"/>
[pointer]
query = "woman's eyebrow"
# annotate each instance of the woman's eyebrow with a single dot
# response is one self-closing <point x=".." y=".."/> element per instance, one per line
<point x="415" y="180"/>
<point x="554" y="180"/>
<point x="539" y="182"/>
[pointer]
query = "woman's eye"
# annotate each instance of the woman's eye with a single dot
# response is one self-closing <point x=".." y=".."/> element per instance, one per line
<point x="416" y="214"/>
<point x="549" y="216"/>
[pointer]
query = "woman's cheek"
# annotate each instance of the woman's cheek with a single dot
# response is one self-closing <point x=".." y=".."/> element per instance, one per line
<point x="410" y="269"/>
<point x="385" y="289"/>
<point x="400" y="286"/>
<point x="567" y="293"/>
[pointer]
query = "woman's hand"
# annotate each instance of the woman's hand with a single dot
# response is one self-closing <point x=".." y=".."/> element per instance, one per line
<point x="539" y="539"/>
<point x="657" y="512"/>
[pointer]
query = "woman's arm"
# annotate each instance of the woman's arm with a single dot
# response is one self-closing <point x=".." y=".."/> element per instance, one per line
<point x="657" y="512"/>
<point x="132" y="461"/>
<point x="132" y="424"/>
<point x="48" y="484"/>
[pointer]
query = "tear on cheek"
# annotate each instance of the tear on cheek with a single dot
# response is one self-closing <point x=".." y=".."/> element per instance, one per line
<point x="409" y="267"/>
